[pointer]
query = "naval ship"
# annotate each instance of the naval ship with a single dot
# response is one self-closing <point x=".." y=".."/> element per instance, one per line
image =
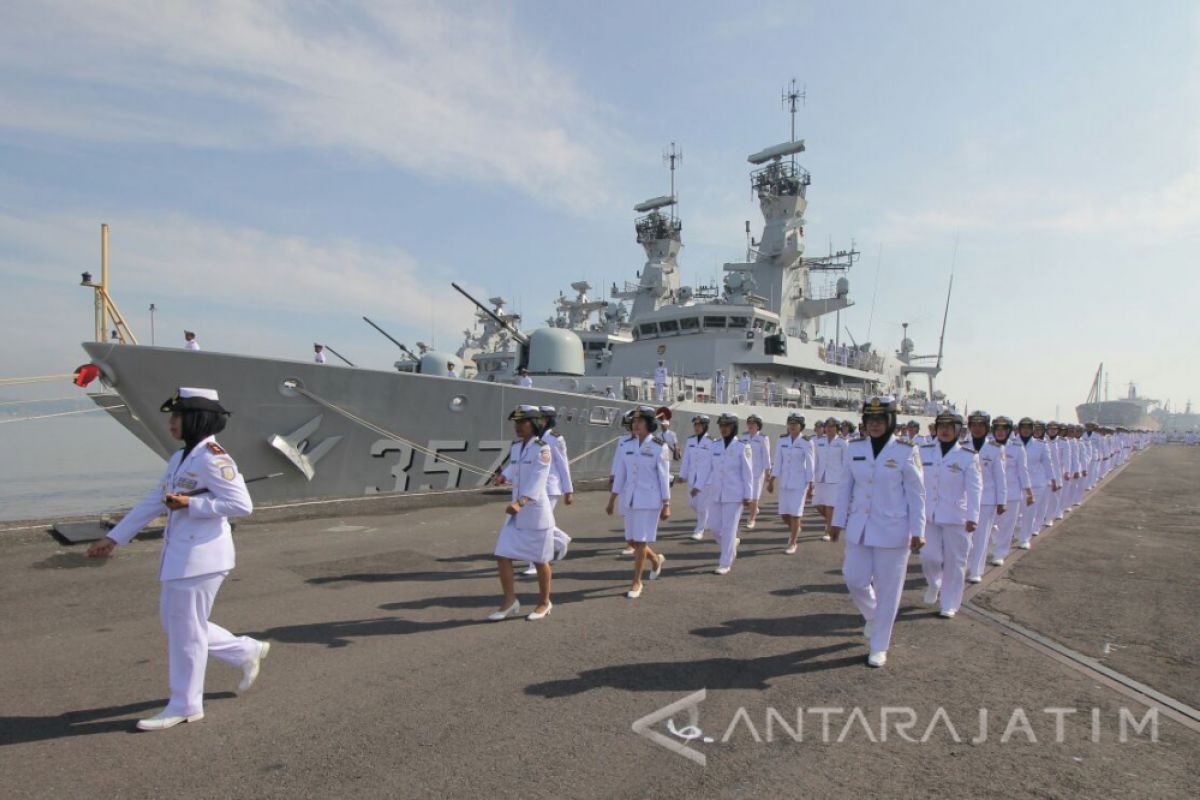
<point x="321" y="431"/>
<point x="1132" y="411"/>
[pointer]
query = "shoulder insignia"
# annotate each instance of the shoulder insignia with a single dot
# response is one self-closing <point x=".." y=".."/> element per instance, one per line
<point x="658" y="440"/>
<point x="931" y="444"/>
<point x="906" y="442"/>
<point x="544" y="455"/>
<point x="540" y="442"/>
<point x="216" y="449"/>
<point x="225" y="468"/>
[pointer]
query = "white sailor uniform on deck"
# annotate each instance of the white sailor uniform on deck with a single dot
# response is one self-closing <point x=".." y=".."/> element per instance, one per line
<point x="1016" y="478"/>
<point x="995" y="491"/>
<point x="528" y="535"/>
<point x="953" y="488"/>
<point x="793" y="470"/>
<point x="881" y="507"/>
<point x="197" y="554"/>
<point x="191" y="344"/>
<point x="830" y="462"/>
<point x="660" y="383"/>
<point x="642" y="483"/>
<point x="694" y="469"/>
<point x="731" y="484"/>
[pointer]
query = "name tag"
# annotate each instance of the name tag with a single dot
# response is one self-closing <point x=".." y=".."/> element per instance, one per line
<point x="186" y="484"/>
<point x="927" y="463"/>
<point x="860" y="458"/>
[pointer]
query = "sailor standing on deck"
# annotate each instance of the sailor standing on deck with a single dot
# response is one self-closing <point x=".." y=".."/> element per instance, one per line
<point x="528" y="530"/>
<point x="760" y="461"/>
<point x="694" y="469"/>
<point x="201" y="489"/>
<point x="732" y="489"/>
<point x="642" y="485"/>
<point x="523" y="378"/>
<point x="558" y="482"/>
<point x="660" y="383"/>
<point x="319" y="353"/>
<point x="743" y="387"/>
<point x="992" y="504"/>
<point x="719" y="386"/>
<point x="953" y="489"/>
<point x="668" y="435"/>
<point x="794" y="468"/>
<point x="189" y="341"/>
<point x="830" y="459"/>
<point x="1017" y="494"/>
<point x="1041" y="479"/>
<point x="881" y="504"/>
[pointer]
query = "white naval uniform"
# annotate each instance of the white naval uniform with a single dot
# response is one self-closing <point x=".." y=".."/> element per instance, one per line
<point x="642" y="483"/>
<point x="881" y="508"/>
<point x="793" y="470"/>
<point x="660" y="384"/>
<point x="694" y="469"/>
<point x="1041" y="472"/>
<point x="525" y="381"/>
<point x="992" y="465"/>
<point x="197" y="554"/>
<point x="528" y="535"/>
<point x="191" y="344"/>
<point x="744" y="388"/>
<point x="731" y="484"/>
<point x="719" y="387"/>
<point x="1016" y="479"/>
<point x="558" y="482"/>
<point x="953" y="489"/>
<point x="672" y="442"/>
<point x="319" y="357"/>
<point x="760" y="459"/>
<point x="830" y="457"/>
<point x="1062" y="457"/>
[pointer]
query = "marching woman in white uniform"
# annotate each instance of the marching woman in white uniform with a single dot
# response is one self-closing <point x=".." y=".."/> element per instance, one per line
<point x="694" y="469"/>
<point x="201" y="489"/>
<point x="760" y="461"/>
<point x="793" y="469"/>
<point x="642" y="485"/>
<point x="1041" y="478"/>
<point x="881" y="505"/>
<point x="528" y="532"/>
<point x="558" y="483"/>
<point x="1017" y="495"/>
<point x="953" y="489"/>
<point x="732" y="486"/>
<point x="829" y="453"/>
<point x="995" y="490"/>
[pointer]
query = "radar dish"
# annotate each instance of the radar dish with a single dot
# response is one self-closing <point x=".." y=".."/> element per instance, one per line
<point x="654" y="203"/>
<point x="777" y="152"/>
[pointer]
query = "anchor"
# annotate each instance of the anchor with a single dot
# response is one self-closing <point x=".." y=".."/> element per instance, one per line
<point x="295" y="447"/>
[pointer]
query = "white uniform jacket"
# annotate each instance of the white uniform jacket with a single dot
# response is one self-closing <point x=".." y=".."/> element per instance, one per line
<point x="697" y="461"/>
<point x="794" y="462"/>
<point x="881" y="499"/>
<point x="760" y="452"/>
<point x="1041" y="463"/>
<point x="198" y="539"/>
<point x="558" y="482"/>
<point x="953" y="484"/>
<point x="528" y="471"/>
<point x="830" y="457"/>
<point x="992" y="464"/>
<point x="730" y="477"/>
<point x="1016" y="469"/>
<point x="642" y="476"/>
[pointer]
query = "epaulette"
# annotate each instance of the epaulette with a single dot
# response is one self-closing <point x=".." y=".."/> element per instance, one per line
<point x="216" y="449"/>
<point x="906" y="442"/>
<point x="930" y="444"/>
<point x="540" y="442"/>
<point x="856" y="438"/>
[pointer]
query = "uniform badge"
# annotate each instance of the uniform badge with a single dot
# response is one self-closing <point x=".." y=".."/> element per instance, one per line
<point x="544" y="456"/>
<point x="891" y="462"/>
<point x="954" y="468"/>
<point x="228" y="473"/>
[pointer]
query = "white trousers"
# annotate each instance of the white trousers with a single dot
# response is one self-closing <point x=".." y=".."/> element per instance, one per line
<point x="982" y="537"/>
<point x="1006" y="526"/>
<point x="1031" y="516"/>
<point x="660" y="392"/>
<point x="944" y="561"/>
<point x="701" y="504"/>
<point x="875" y="577"/>
<point x="723" y="519"/>
<point x="184" y="607"/>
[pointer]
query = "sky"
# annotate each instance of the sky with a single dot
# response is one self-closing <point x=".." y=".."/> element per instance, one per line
<point x="273" y="171"/>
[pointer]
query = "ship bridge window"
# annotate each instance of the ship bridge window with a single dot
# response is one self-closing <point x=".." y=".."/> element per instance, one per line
<point x="669" y="326"/>
<point x="714" y="322"/>
<point x="595" y="345"/>
<point x="648" y="328"/>
<point x="770" y="327"/>
<point x="689" y="323"/>
<point x="739" y="322"/>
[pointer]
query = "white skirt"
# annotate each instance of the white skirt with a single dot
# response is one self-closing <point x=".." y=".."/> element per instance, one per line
<point x="825" y="494"/>
<point x="641" y="524"/>
<point x="756" y="484"/>
<point x="791" y="501"/>
<point x="519" y="544"/>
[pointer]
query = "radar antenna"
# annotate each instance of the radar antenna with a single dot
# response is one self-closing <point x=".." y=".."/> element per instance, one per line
<point x="671" y="157"/>
<point x="791" y="96"/>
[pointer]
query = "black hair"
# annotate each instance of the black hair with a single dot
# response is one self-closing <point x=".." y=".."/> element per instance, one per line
<point x="196" y="426"/>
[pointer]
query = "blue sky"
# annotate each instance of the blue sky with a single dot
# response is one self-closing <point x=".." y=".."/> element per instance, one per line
<point x="272" y="171"/>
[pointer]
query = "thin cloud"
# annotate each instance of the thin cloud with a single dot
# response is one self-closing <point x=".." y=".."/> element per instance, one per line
<point x="436" y="90"/>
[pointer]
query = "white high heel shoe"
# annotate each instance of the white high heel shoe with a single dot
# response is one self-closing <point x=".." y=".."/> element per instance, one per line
<point x="511" y="611"/>
<point x="536" y="615"/>
<point x="634" y="594"/>
<point x="654" y="573"/>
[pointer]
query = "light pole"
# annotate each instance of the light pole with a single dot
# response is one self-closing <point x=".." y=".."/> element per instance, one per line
<point x="152" y="324"/>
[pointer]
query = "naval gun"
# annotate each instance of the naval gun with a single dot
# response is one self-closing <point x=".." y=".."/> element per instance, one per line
<point x="547" y="351"/>
<point x="429" y="362"/>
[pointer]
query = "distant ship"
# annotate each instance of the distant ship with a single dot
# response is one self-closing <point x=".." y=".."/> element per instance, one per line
<point x="1131" y="411"/>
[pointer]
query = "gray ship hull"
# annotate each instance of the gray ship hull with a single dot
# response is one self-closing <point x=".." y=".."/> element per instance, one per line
<point x="333" y="432"/>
